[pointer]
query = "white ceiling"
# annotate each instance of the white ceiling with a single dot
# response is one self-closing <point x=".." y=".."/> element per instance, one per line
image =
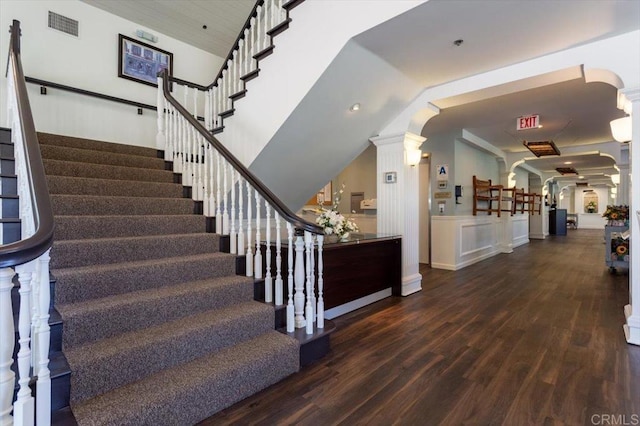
<point x="419" y="44"/>
<point x="183" y="19"/>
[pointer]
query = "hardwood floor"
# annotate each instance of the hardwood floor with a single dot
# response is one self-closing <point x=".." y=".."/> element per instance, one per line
<point x="528" y="338"/>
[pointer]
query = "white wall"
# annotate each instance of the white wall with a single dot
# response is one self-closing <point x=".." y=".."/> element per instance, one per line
<point x="358" y="176"/>
<point x="90" y="62"/>
<point x="470" y="161"/>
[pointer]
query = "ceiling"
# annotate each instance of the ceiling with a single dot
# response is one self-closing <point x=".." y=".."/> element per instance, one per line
<point x="184" y="19"/>
<point x="495" y="34"/>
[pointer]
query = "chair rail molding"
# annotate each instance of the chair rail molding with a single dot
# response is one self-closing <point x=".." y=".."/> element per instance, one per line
<point x="398" y="201"/>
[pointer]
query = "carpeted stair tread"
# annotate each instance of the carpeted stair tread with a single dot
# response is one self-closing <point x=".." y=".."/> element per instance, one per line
<point x="63" y="204"/>
<point x="80" y="227"/>
<point x="106" y="317"/>
<point x="74" y="253"/>
<point x="73" y="142"/>
<point x="191" y="392"/>
<point x="94" y="282"/>
<point x="111" y="187"/>
<point x="108" y="363"/>
<point x="99" y="157"/>
<point x="105" y="171"/>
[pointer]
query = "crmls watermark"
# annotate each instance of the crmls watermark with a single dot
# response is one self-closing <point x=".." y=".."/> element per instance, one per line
<point x="606" y="419"/>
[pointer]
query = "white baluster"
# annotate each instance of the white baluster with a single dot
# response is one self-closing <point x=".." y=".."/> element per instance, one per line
<point x="236" y="74"/>
<point x="160" y="136"/>
<point x="195" y="103"/>
<point x="279" y="284"/>
<point x="218" y="209"/>
<point x="240" y="215"/>
<point x="268" y="280"/>
<point x="220" y="102"/>
<point x="41" y="366"/>
<point x="290" y="307"/>
<point x="225" y="213"/>
<point x="254" y="49"/>
<point x="249" y="256"/>
<point x="200" y="159"/>
<point x="312" y="273"/>
<point x="207" y="110"/>
<point x="308" y="309"/>
<point x="229" y="85"/>
<point x="257" y="272"/>
<point x="7" y="336"/>
<point x="320" y="304"/>
<point x="24" y="407"/>
<point x="232" y="234"/>
<point x="168" y="152"/>
<point x="299" y="277"/>
<point x="258" y="30"/>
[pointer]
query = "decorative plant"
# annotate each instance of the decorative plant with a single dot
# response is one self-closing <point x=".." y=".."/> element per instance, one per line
<point x="616" y="213"/>
<point x="335" y="223"/>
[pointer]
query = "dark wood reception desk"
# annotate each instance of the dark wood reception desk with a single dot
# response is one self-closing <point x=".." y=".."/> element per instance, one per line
<point x="358" y="271"/>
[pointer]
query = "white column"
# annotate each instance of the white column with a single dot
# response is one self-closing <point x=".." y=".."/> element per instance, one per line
<point x="631" y="103"/>
<point x="506" y="221"/>
<point x="398" y="201"/>
<point x="7" y="335"/>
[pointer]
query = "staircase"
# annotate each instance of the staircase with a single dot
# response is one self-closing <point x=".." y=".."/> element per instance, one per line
<point x="158" y="328"/>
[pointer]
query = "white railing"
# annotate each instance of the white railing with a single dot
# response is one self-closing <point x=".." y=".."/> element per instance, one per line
<point x="243" y="209"/>
<point x="249" y="214"/>
<point x="28" y="261"/>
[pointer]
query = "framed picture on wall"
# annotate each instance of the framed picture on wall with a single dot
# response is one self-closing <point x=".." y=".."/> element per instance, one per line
<point x="141" y="62"/>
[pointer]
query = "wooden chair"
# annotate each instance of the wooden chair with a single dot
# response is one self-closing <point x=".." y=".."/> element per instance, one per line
<point x="508" y="202"/>
<point x="486" y="197"/>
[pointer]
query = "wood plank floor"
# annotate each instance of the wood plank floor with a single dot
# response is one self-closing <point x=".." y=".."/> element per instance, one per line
<point x="528" y="338"/>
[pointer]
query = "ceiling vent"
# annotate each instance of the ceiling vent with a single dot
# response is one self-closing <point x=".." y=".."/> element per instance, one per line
<point x="64" y="24"/>
<point x="566" y="170"/>
<point x="579" y="184"/>
<point x="542" y="148"/>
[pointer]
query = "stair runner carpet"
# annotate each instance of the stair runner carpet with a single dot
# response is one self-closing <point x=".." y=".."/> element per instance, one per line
<point x="158" y="329"/>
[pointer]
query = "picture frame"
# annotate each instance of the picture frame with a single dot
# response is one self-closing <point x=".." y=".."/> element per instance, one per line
<point x="141" y="62"/>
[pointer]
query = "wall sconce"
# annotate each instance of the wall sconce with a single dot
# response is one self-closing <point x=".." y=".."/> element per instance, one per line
<point x="621" y="129"/>
<point x="413" y="157"/>
<point x="614" y="190"/>
<point x="615" y="179"/>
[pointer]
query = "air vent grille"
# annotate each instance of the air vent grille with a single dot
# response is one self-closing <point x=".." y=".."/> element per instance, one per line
<point x="64" y="24"/>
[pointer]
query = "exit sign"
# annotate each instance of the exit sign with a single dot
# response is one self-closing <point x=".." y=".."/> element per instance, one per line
<point x="528" y="122"/>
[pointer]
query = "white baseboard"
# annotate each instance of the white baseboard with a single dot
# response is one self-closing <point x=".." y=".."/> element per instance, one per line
<point x="357" y="304"/>
<point x="411" y="284"/>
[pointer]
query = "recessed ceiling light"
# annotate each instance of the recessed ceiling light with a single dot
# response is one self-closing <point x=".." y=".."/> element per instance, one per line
<point x="539" y="126"/>
<point x="355" y="107"/>
<point x="580" y="177"/>
<point x="567" y="162"/>
<point x="204" y="27"/>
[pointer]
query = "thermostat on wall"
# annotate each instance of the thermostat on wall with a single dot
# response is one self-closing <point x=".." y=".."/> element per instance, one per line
<point x="390" y="177"/>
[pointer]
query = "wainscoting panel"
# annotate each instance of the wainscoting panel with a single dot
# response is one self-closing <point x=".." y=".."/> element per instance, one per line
<point x="459" y="241"/>
<point x="520" y="230"/>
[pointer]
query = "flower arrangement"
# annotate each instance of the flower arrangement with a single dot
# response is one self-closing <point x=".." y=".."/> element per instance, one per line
<point x="335" y="223"/>
<point x="617" y="213"/>
<point x="591" y="207"/>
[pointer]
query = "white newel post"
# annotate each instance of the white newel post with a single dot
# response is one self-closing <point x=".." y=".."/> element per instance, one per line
<point x="398" y="201"/>
<point x="629" y="100"/>
<point x="7" y="333"/>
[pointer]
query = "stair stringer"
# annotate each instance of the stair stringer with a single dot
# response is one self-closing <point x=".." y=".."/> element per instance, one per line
<point x="302" y="54"/>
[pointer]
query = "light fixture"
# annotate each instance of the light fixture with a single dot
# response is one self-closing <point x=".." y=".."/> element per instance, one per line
<point x="354" y="107"/>
<point x="614" y="190"/>
<point x="567" y="162"/>
<point x="621" y="129"/>
<point x="615" y="179"/>
<point x="580" y="177"/>
<point x="413" y="157"/>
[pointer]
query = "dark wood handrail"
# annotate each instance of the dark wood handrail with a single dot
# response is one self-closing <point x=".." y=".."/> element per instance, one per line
<point x="28" y="249"/>
<point x="89" y="93"/>
<point x="276" y="203"/>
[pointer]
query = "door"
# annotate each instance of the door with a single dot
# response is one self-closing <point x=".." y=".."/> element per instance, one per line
<point x="424" y="220"/>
